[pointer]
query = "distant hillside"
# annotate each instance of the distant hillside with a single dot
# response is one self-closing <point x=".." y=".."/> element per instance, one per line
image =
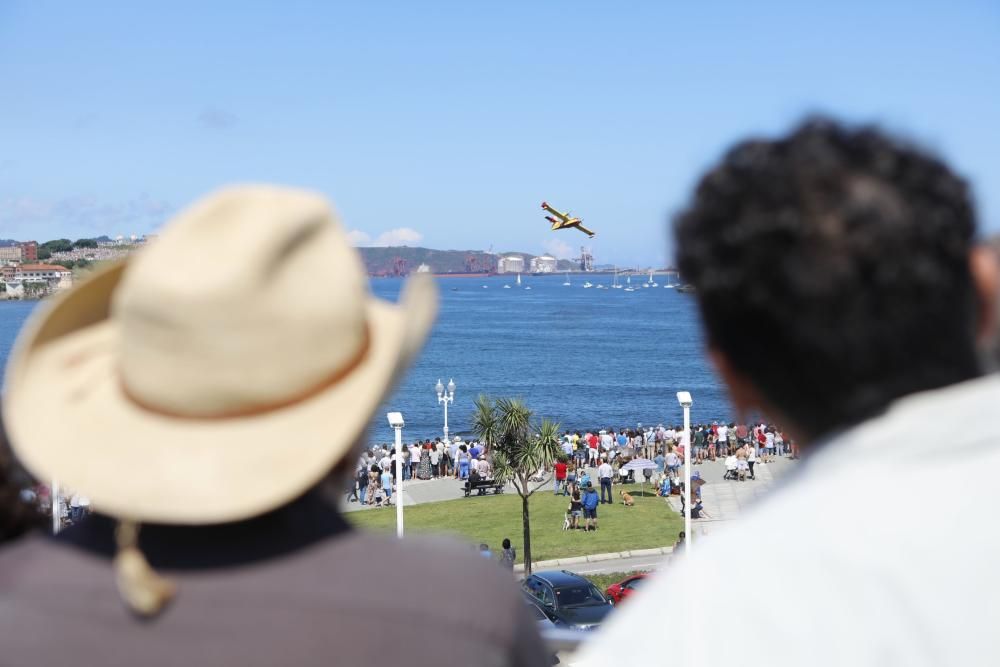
<point x="4" y="243"/>
<point x="399" y="261"/>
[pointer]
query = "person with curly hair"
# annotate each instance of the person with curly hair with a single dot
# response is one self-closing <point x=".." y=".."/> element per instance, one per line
<point x="843" y="294"/>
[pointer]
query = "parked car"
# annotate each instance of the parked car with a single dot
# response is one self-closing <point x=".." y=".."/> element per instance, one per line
<point x="542" y="619"/>
<point x="568" y="599"/>
<point x="624" y="588"/>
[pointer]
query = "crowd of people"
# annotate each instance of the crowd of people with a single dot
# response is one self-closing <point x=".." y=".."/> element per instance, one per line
<point x="853" y="255"/>
<point x="375" y="472"/>
<point x="605" y="451"/>
<point x="70" y="506"/>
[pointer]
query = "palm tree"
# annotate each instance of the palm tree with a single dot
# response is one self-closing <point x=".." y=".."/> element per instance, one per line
<point x="518" y="449"/>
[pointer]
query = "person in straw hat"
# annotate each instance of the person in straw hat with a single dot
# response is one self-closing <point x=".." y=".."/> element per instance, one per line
<point x="205" y="394"/>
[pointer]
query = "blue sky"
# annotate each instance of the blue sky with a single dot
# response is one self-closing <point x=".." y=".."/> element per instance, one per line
<point x="446" y="124"/>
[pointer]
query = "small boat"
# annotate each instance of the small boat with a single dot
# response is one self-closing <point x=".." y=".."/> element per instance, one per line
<point x="528" y="287"/>
<point x="506" y="286"/>
<point x="669" y="286"/>
<point x="601" y="286"/>
<point x="567" y="283"/>
<point x="519" y="280"/>
<point x="486" y="286"/>
<point x="614" y="282"/>
<point x="650" y="282"/>
<point x="587" y="285"/>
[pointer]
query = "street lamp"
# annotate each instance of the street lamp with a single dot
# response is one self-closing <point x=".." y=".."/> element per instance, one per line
<point x="396" y="422"/>
<point x="684" y="398"/>
<point x="56" y="507"/>
<point x="445" y="398"/>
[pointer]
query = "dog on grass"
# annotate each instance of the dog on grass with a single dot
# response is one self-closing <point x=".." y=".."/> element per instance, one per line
<point x="626" y="498"/>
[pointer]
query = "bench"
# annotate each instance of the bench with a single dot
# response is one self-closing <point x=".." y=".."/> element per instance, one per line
<point x="481" y="486"/>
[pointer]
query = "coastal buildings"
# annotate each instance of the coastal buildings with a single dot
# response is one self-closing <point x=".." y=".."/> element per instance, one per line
<point x="51" y="273"/>
<point x="510" y="264"/>
<point x="11" y="253"/>
<point x="34" y="280"/>
<point x="544" y="264"/>
<point x="29" y="251"/>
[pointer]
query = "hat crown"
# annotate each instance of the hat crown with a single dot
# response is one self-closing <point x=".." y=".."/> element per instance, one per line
<point x="250" y="298"/>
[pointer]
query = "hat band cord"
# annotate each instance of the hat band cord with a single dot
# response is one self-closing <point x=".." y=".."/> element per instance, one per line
<point x="265" y="408"/>
<point x="143" y="591"/>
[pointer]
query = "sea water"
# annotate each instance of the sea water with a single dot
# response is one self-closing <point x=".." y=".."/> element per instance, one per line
<point x="587" y="358"/>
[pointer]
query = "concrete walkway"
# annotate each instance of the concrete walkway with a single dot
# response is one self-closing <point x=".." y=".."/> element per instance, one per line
<point x="420" y="491"/>
<point x="724" y="500"/>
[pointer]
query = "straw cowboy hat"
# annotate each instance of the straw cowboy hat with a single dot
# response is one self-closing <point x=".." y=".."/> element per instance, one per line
<point x="218" y="373"/>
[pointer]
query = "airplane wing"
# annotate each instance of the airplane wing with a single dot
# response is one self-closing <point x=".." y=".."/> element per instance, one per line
<point x="563" y="216"/>
<point x="585" y="231"/>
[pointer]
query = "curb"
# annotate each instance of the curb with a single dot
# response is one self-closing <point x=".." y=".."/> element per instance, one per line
<point x="574" y="560"/>
<point x="598" y="558"/>
<point x="652" y="552"/>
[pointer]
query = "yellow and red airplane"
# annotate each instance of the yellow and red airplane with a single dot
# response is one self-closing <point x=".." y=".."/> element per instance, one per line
<point x="564" y="221"/>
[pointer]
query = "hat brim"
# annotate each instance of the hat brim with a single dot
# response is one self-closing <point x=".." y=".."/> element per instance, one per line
<point x="69" y="419"/>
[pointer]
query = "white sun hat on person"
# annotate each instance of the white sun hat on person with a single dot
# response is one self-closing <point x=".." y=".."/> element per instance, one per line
<point x="218" y="373"/>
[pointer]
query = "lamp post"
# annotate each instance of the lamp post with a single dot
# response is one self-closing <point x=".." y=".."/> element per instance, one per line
<point x="396" y="422"/>
<point x="56" y="507"/>
<point x="446" y="398"/>
<point x="684" y="398"/>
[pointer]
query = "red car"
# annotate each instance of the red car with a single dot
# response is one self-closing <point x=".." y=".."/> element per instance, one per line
<point x="624" y="588"/>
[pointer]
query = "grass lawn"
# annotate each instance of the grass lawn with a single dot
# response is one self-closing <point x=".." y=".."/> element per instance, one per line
<point x="489" y="519"/>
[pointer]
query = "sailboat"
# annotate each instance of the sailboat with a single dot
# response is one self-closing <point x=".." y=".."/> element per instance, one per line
<point x="629" y="288"/>
<point x="519" y="280"/>
<point x="614" y="282"/>
<point x="567" y="283"/>
<point x="650" y="282"/>
<point x="587" y="285"/>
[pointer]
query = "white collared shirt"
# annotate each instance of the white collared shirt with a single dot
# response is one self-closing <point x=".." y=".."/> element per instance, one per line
<point x="915" y="583"/>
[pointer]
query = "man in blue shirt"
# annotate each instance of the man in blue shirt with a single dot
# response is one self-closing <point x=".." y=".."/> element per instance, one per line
<point x="590" y="502"/>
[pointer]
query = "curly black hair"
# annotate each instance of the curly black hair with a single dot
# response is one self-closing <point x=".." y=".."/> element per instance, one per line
<point x="832" y="270"/>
